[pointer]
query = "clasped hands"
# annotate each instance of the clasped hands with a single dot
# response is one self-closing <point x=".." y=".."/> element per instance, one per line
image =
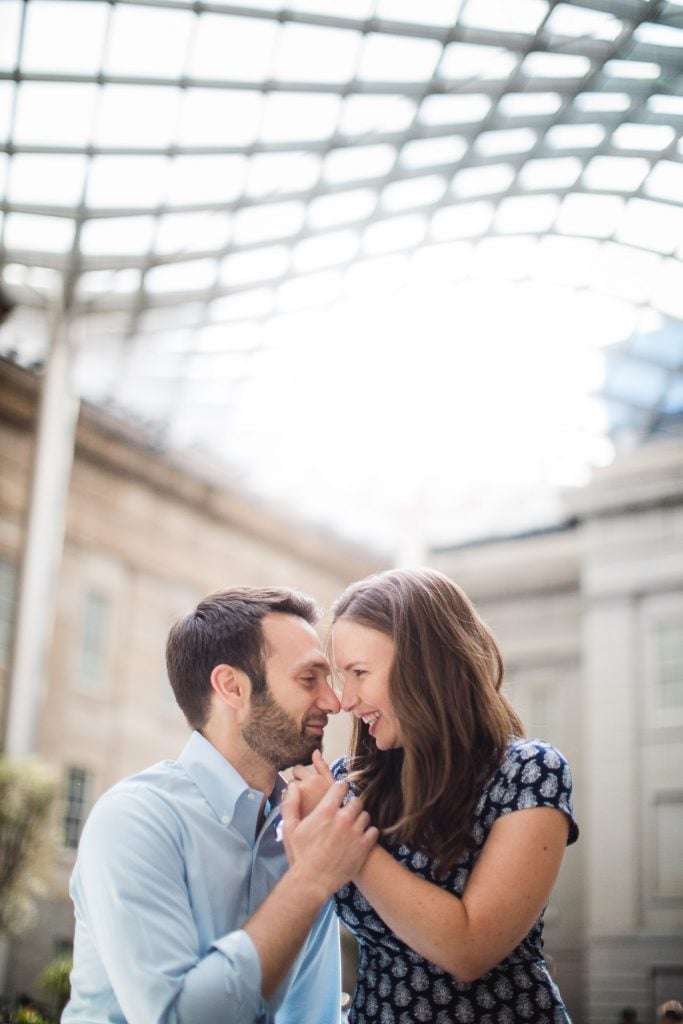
<point x="326" y="837"/>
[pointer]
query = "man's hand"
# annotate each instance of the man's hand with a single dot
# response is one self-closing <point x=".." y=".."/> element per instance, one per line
<point x="331" y="843"/>
<point x="312" y="785"/>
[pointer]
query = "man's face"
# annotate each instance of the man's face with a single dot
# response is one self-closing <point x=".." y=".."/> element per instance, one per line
<point x="286" y="721"/>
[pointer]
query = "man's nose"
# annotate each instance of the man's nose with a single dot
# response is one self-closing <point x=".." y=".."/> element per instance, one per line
<point x="328" y="700"/>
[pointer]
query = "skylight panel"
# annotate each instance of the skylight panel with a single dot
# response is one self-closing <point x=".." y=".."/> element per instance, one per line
<point x="634" y="381"/>
<point x="575" y="136"/>
<point x="650" y="225"/>
<point x="402" y="195"/>
<point x="35" y="233"/>
<point x="134" y="41"/>
<point x="275" y="220"/>
<point x="290" y="117"/>
<point x="54" y="179"/>
<point x="222" y="178"/>
<point x="569" y="20"/>
<point x="482" y="181"/>
<point x="239" y="49"/>
<point x="553" y="172"/>
<point x="372" y="276"/>
<point x="631" y="69"/>
<point x="219" y="117"/>
<point x="4" y="167"/>
<point x="444" y="108"/>
<point x="310" y="53"/>
<point x="650" y="137"/>
<point x="427" y="12"/>
<point x="567" y="261"/>
<point x="433" y="152"/>
<point x="372" y="115"/>
<point x="520" y="214"/>
<point x="6" y="103"/>
<point x="311" y="290"/>
<point x="119" y="236"/>
<point x="58" y="113"/>
<point x="666" y="105"/>
<point x="521" y="16"/>
<point x="386" y="58"/>
<point x="467" y="60"/>
<point x="132" y="115"/>
<point x="325" y="250"/>
<point x="10" y="21"/>
<point x="506" y="140"/>
<point x="555" y="65"/>
<point x="247" y="305"/>
<point x="272" y="173"/>
<point x="668" y="292"/>
<point x="447" y="261"/>
<point x="464" y="220"/>
<point x="80" y="29"/>
<point x="596" y="216"/>
<point x="192" y="275"/>
<point x="358" y="162"/>
<point x="95" y="283"/>
<point x="395" y="233"/>
<point x="665" y="181"/>
<point x="658" y="35"/>
<point x="341" y="208"/>
<point x="192" y="232"/>
<point x="255" y="265"/>
<point x="529" y="104"/>
<point x="604" y="102"/>
<point x="615" y="173"/>
<point x="134" y="182"/>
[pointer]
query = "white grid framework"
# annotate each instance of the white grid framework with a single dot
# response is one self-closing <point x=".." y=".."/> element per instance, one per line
<point x="183" y="182"/>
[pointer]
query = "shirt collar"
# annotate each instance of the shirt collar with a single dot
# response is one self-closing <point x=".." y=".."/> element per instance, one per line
<point x="220" y="783"/>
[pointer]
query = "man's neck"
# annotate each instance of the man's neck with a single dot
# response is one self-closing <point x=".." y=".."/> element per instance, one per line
<point x="257" y="773"/>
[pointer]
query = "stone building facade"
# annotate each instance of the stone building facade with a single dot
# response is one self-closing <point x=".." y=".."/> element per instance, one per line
<point x="589" y="616"/>
<point x="147" y="535"/>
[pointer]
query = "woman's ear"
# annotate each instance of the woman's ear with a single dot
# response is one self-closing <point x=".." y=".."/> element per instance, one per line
<point x="232" y="687"/>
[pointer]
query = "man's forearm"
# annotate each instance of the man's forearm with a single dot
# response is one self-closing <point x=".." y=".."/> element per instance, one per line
<point x="281" y="924"/>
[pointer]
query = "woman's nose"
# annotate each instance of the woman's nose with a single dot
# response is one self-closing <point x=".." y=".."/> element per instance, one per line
<point x="349" y="697"/>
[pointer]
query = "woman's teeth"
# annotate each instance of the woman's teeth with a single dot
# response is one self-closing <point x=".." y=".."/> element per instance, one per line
<point x="369" y="719"/>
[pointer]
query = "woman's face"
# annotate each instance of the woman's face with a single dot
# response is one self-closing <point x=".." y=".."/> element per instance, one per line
<point x="364" y="657"/>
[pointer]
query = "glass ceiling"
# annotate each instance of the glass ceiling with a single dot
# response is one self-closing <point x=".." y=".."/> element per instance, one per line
<point x="402" y="267"/>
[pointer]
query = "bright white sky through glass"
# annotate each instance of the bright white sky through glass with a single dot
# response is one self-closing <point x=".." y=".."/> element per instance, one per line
<point x="357" y="262"/>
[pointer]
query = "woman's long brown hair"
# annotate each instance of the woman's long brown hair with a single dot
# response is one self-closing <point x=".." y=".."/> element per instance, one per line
<point x="445" y="688"/>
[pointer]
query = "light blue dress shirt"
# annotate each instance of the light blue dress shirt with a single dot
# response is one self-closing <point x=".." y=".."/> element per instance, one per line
<point x="168" y="870"/>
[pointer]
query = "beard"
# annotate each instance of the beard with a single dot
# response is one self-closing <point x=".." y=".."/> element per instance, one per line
<point x="277" y="737"/>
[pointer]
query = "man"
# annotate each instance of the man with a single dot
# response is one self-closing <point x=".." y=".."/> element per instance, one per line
<point x="186" y="911"/>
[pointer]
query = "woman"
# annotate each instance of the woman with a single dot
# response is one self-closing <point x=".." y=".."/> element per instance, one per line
<point x="448" y="910"/>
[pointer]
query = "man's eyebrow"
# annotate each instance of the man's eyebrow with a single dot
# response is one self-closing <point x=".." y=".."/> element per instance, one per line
<point x="321" y="663"/>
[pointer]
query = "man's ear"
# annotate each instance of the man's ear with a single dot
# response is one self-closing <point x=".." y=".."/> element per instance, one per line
<point x="232" y="686"/>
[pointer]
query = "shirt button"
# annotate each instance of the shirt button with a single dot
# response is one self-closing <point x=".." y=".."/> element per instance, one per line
<point x="251" y="796"/>
<point x="225" y="820"/>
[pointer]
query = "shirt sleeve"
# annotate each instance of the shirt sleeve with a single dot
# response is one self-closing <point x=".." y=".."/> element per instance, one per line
<point x="314" y="996"/>
<point x="533" y="774"/>
<point x="132" y="907"/>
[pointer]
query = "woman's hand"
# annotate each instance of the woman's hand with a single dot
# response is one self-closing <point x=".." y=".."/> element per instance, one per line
<point x="312" y="785"/>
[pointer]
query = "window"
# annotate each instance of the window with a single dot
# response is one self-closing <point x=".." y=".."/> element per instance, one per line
<point x="92" y="661"/>
<point x="669" y="663"/>
<point x="75" y="805"/>
<point x="8" y="578"/>
<point x="669" y="837"/>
